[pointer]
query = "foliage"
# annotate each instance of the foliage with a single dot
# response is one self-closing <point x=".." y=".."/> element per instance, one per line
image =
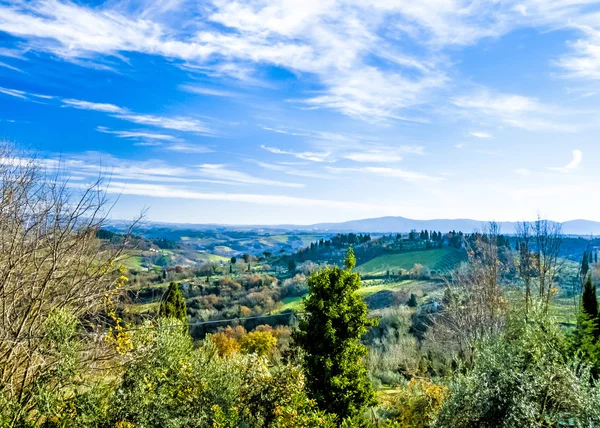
<point x="589" y="301"/>
<point x="330" y="337"/>
<point x="173" y="304"/>
<point x="525" y="377"/>
<point x="417" y="404"/>
<point x="258" y="342"/>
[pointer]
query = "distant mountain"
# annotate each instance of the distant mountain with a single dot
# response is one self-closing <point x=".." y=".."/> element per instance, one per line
<point x="380" y="225"/>
<point x="402" y="224"/>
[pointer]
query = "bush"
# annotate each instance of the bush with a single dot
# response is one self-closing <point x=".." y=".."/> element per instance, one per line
<point x="525" y="377"/>
<point x="420" y="272"/>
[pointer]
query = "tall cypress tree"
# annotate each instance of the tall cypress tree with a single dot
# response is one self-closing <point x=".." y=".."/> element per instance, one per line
<point x="585" y="265"/>
<point x="589" y="301"/>
<point x="330" y="336"/>
<point x="173" y="304"/>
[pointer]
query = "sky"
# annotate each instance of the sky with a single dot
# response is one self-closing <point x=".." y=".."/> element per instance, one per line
<point x="299" y="112"/>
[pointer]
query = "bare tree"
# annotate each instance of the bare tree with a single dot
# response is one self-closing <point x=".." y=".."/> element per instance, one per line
<point x="539" y="260"/>
<point x="526" y="261"/>
<point x="50" y="260"/>
<point x="475" y="307"/>
<point x="548" y="240"/>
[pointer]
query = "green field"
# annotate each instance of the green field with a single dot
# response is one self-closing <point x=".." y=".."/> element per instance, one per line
<point x="293" y="303"/>
<point x="444" y="259"/>
<point x="208" y="257"/>
<point x="132" y="262"/>
<point x="420" y="288"/>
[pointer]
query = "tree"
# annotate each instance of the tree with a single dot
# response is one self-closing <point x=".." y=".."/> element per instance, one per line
<point x="173" y="304"/>
<point x="585" y="265"/>
<point x="292" y="266"/>
<point x="412" y="302"/>
<point x="258" y="342"/>
<point x="330" y="336"/>
<point x="589" y="301"/>
<point x="50" y="262"/>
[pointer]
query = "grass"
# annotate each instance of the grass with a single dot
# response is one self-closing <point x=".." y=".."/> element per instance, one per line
<point x="443" y="259"/>
<point x="208" y="257"/>
<point x="142" y="308"/>
<point x="132" y="262"/>
<point x="293" y="303"/>
<point x="420" y="288"/>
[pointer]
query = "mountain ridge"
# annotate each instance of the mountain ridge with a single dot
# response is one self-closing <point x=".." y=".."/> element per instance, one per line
<point x="387" y="224"/>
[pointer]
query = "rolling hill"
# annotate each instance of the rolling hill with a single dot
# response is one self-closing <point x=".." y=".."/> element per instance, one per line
<point x="390" y="224"/>
<point x="441" y="259"/>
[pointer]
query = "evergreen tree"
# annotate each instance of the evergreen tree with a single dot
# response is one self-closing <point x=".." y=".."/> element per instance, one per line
<point x="412" y="302"/>
<point x="589" y="301"/>
<point x="330" y="336"/>
<point x="292" y="266"/>
<point x="585" y="265"/>
<point x="173" y="304"/>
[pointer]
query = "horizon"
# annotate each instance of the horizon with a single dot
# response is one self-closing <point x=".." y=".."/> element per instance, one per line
<point x="299" y="113"/>
<point x="352" y="220"/>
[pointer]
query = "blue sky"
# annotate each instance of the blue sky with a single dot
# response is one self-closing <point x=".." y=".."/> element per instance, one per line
<point x="281" y="111"/>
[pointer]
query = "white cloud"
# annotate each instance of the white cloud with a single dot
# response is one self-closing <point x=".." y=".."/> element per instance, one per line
<point x="136" y="135"/>
<point x="286" y="169"/>
<point x="574" y="164"/>
<point x="13" y="93"/>
<point x="10" y="67"/>
<point x="311" y="156"/>
<point x="184" y="124"/>
<point x="350" y="48"/>
<point x="221" y="173"/>
<point x="189" y="148"/>
<point x="162" y="191"/>
<point x="410" y="176"/>
<point x="513" y="110"/>
<point x="202" y="90"/>
<point x="480" y="134"/>
<point x="523" y="172"/>
<point x="373" y="156"/>
<point x="87" y="105"/>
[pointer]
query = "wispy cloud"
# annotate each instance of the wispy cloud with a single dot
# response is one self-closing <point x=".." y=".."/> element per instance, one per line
<point x="137" y="135"/>
<point x="574" y="164"/>
<point x="336" y="146"/>
<point x="480" y="134"/>
<point x="358" y="68"/>
<point x="189" y="148"/>
<point x="223" y="174"/>
<point x="203" y="90"/>
<point x="410" y="176"/>
<point x="13" y="93"/>
<point x="87" y="105"/>
<point x="513" y="110"/>
<point x="163" y="191"/>
<point x="311" y="156"/>
<point x="184" y="124"/>
<point x="10" y="67"/>
<point x="290" y="170"/>
<point x="524" y="172"/>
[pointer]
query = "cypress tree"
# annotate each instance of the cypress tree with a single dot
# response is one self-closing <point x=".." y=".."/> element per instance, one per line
<point x="589" y="302"/>
<point x="330" y="336"/>
<point x="173" y="304"/>
<point x="585" y="265"/>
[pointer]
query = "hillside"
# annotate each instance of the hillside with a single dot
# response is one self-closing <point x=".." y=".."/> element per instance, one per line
<point x="390" y="224"/>
<point x="441" y="259"/>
